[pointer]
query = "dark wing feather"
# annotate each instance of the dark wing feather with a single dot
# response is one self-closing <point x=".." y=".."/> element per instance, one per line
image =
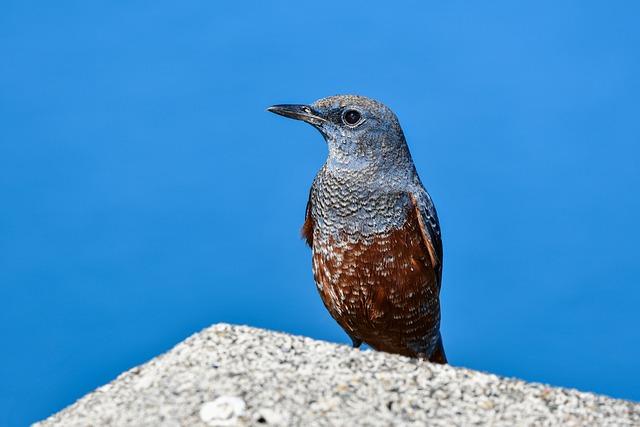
<point x="307" y="227"/>
<point x="430" y="229"/>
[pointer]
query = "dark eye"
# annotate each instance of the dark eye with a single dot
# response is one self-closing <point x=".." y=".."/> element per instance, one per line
<point x="351" y="117"/>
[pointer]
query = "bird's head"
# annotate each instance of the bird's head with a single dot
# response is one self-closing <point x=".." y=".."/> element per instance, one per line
<point x="359" y="131"/>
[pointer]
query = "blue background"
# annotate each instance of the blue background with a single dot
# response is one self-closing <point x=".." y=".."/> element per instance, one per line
<point x="146" y="194"/>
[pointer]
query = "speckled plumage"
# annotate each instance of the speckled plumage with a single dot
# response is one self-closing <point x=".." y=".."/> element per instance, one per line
<point x="373" y="230"/>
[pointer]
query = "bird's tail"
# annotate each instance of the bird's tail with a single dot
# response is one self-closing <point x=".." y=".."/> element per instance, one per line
<point x="438" y="355"/>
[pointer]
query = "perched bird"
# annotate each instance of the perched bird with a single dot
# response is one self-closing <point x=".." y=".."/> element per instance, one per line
<point x="373" y="229"/>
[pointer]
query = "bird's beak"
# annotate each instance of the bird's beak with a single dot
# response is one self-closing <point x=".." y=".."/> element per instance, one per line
<point x="298" y="112"/>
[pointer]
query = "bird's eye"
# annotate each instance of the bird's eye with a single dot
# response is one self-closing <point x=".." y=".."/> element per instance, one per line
<point x="351" y="117"/>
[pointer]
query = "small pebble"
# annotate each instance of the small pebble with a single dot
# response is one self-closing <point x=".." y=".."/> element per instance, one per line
<point x="224" y="411"/>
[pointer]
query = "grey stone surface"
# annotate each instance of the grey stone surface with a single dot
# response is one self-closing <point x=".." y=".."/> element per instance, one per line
<point x="237" y="375"/>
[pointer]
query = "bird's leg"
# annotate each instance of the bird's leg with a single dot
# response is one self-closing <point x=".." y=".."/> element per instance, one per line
<point x="355" y="342"/>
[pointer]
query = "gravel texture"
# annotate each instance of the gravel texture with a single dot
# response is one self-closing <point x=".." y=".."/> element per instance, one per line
<point x="235" y="375"/>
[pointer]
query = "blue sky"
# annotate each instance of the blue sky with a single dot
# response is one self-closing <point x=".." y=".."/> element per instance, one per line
<point x="147" y="194"/>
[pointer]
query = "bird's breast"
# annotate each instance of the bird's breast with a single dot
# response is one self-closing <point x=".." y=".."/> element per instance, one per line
<point x="372" y="272"/>
<point x="341" y="206"/>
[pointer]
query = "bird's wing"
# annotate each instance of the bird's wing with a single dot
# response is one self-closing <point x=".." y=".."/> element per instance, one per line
<point x="307" y="227"/>
<point x="429" y="228"/>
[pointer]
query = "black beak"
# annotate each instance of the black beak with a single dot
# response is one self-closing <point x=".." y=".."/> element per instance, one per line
<point x="298" y="112"/>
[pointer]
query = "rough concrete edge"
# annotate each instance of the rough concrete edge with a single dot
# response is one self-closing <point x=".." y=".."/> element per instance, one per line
<point x="223" y="325"/>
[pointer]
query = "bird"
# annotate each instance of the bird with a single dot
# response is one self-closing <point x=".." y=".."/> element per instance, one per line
<point x="373" y="229"/>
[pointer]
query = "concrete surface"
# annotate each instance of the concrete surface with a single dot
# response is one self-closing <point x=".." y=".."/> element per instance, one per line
<point x="236" y="375"/>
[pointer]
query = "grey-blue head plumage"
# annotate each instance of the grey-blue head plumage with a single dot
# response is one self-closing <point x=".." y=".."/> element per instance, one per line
<point x="360" y="132"/>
